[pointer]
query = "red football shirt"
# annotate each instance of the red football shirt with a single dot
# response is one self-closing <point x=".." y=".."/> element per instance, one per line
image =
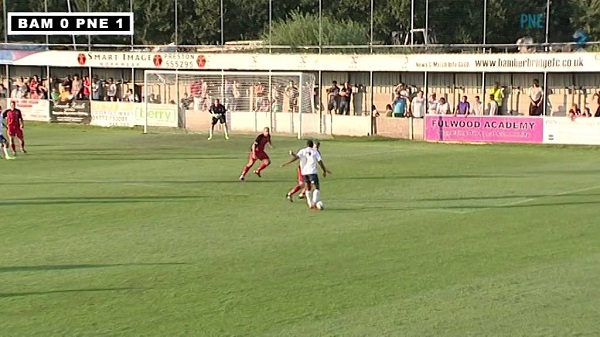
<point x="13" y="118"/>
<point x="261" y="141"/>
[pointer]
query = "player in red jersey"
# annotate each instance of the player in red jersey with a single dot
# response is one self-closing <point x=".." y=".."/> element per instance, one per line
<point x="14" y="127"/>
<point x="257" y="152"/>
<point x="300" y="185"/>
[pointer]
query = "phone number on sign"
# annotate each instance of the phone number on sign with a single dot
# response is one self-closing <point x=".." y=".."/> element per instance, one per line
<point x="180" y="64"/>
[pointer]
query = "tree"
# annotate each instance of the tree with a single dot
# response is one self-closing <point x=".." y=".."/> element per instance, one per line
<point x="303" y="30"/>
<point x="345" y="23"/>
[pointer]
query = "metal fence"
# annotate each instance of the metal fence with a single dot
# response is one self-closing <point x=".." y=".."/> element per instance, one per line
<point x="419" y="26"/>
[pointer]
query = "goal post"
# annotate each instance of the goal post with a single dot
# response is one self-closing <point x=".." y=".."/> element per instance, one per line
<point x="283" y="101"/>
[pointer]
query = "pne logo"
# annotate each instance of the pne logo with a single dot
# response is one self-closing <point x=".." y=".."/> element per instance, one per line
<point x="533" y="21"/>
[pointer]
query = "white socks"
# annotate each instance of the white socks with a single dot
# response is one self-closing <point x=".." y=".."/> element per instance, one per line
<point x="5" y="150"/>
<point x="316" y="197"/>
<point x="308" y="196"/>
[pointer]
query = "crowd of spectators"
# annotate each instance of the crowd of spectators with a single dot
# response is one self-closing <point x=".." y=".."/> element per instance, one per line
<point x="408" y="101"/>
<point x="72" y="87"/>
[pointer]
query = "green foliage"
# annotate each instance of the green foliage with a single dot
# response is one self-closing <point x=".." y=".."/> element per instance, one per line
<point x="303" y="30"/>
<point x="347" y="23"/>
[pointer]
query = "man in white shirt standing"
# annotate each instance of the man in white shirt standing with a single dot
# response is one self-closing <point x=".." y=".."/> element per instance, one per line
<point x="418" y="105"/>
<point x="309" y="159"/>
<point x="494" y="108"/>
<point x="432" y="104"/>
<point x="477" y="108"/>
<point x="535" y="96"/>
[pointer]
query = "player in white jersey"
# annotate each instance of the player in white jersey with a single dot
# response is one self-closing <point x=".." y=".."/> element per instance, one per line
<point x="310" y="158"/>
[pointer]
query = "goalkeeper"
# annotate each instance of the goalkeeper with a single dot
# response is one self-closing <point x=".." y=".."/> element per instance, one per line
<point x="219" y="114"/>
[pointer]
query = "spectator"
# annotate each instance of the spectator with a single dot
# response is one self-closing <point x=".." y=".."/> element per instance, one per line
<point x="399" y="105"/>
<point x="228" y="94"/>
<point x="433" y="103"/>
<point x="574" y="112"/>
<point x="97" y="89"/>
<point x="265" y="105"/>
<point x="3" y="91"/>
<point x="597" y="97"/>
<point x="111" y="90"/>
<point x="130" y="96"/>
<point x="87" y="86"/>
<point x="586" y="112"/>
<point x="443" y="107"/>
<point x="389" y="111"/>
<point x="76" y="87"/>
<point x="345" y="98"/>
<point x="34" y="83"/>
<point x="186" y="101"/>
<point x="333" y="94"/>
<point x="66" y="84"/>
<point x="292" y="92"/>
<point x="259" y="93"/>
<point x="374" y="112"/>
<point x="418" y="105"/>
<point x="463" y="107"/>
<point x="196" y="91"/>
<point x="536" y="107"/>
<point x="493" y="108"/>
<point x="236" y="95"/>
<point x="477" y="108"/>
<point x="497" y="92"/>
<point x="54" y="95"/>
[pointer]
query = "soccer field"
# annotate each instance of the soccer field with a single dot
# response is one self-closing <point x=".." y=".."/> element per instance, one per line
<point x="113" y="233"/>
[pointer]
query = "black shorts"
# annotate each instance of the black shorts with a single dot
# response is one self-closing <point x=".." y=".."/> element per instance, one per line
<point x="3" y="139"/>
<point x="313" y="179"/>
<point x="221" y="119"/>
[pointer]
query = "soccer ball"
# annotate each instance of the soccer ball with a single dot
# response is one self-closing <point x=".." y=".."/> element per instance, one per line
<point x="320" y="205"/>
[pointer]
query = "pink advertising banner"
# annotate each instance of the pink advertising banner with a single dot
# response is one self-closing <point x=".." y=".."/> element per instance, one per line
<point x="485" y="129"/>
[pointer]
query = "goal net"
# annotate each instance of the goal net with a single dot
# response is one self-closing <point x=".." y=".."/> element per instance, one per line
<point x="285" y="102"/>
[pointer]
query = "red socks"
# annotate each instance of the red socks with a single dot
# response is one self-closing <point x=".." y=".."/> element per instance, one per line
<point x="261" y="167"/>
<point x="295" y="189"/>
<point x="246" y="169"/>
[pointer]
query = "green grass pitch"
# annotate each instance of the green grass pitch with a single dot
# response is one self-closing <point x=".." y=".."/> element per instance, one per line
<point x="113" y="233"/>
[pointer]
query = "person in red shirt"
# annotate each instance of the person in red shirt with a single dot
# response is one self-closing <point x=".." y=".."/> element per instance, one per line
<point x="257" y="152"/>
<point x="14" y="126"/>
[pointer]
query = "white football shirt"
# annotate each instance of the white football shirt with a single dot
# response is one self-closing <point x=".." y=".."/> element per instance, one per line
<point x="309" y="159"/>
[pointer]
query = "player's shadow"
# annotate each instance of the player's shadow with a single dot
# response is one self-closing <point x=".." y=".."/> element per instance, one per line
<point x="62" y="267"/>
<point x="38" y="293"/>
<point x="99" y="200"/>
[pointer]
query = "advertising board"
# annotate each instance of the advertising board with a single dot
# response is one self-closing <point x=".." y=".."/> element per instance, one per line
<point x="563" y="130"/>
<point x="484" y="129"/>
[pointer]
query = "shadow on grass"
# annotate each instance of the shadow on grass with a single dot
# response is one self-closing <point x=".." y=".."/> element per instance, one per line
<point x="473" y="176"/>
<point x="250" y="180"/>
<point x="529" y="204"/>
<point x="500" y="197"/>
<point x="99" y="200"/>
<point x="59" y="267"/>
<point x="50" y="292"/>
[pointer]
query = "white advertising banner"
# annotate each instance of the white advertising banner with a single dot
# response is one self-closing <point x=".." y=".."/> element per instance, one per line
<point x="499" y="63"/>
<point x="127" y="114"/>
<point x="36" y="110"/>
<point x="108" y="114"/>
<point x="563" y="130"/>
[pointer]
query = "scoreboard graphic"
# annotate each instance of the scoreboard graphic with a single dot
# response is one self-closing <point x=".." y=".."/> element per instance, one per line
<point x="54" y="23"/>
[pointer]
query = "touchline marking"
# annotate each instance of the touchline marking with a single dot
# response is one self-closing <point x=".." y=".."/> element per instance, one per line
<point x="524" y="201"/>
